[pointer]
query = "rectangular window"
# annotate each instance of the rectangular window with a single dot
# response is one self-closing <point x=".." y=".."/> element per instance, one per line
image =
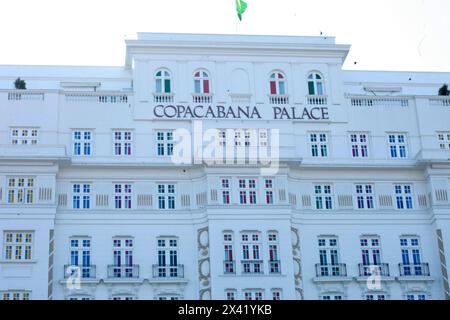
<point x="24" y="136"/>
<point x="225" y="184"/>
<point x="123" y="258"/>
<point x="167" y="253"/>
<point x="403" y="197"/>
<point x="123" y="196"/>
<point x="364" y="196"/>
<point x="359" y="145"/>
<point x="82" y="142"/>
<point x="20" y="190"/>
<point x="274" y="259"/>
<point x="15" y="295"/>
<point x="397" y="145"/>
<point x="323" y="197"/>
<point x="443" y="139"/>
<point x="251" y="253"/>
<point x="247" y="191"/>
<point x="370" y="251"/>
<point x="268" y="190"/>
<point x="319" y="145"/>
<point x="123" y="141"/>
<point x="81" y="196"/>
<point x="164" y="143"/>
<point x="253" y="295"/>
<point x="231" y="295"/>
<point x="329" y="264"/>
<point x="166" y="196"/>
<point x="18" y="245"/>
<point x="411" y="257"/>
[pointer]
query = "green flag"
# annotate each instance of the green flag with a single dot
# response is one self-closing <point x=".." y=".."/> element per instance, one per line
<point x="241" y="6"/>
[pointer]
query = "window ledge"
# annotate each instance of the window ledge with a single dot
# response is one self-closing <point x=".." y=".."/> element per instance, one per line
<point x="18" y="261"/>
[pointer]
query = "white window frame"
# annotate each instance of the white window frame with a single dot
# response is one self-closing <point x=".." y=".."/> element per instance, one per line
<point x="312" y="77"/>
<point x="82" y="191"/>
<point x="246" y="192"/>
<point x="396" y="145"/>
<point x="316" y="142"/>
<point x="167" y="196"/>
<point x="18" y="245"/>
<point x="123" y="142"/>
<point x="226" y="190"/>
<point x="361" y="193"/>
<point x="443" y="139"/>
<point x="165" y="75"/>
<point x="23" y="136"/>
<point x="123" y="195"/>
<point x="323" y="194"/>
<point x="164" y="143"/>
<point x="359" y="145"/>
<point x="404" y="195"/>
<point x="20" y="190"/>
<point x="280" y="83"/>
<point x="203" y="75"/>
<point x="269" y="191"/>
<point x="253" y="294"/>
<point x="9" y="295"/>
<point x="85" y="141"/>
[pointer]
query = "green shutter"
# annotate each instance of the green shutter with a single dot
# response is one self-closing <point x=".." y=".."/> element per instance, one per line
<point x="311" y="88"/>
<point x="167" y="86"/>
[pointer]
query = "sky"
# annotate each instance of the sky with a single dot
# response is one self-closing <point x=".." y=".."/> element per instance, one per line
<point x="408" y="35"/>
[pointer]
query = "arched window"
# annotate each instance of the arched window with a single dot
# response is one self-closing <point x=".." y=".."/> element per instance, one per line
<point x="316" y="84"/>
<point x="163" y="82"/>
<point x="201" y="82"/>
<point x="277" y="84"/>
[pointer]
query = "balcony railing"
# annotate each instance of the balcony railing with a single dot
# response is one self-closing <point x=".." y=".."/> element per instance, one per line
<point x="82" y="272"/>
<point x="317" y="100"/>
<point x="252" y="267"/>
<point x="168" y="272"/>
<point x="381" y="269"/>
<point x="414" y="270"/>
<point x="279" y="99"/>
<point x="335" y="270"/>
<point x="229" y="267"/>
<point x="379" y="102"/>
<point x="123" y="272"/>
<point x="96" y="97"/>
<point x="275" y="266"/>
<point x="163" y="97"/>
<point x="201" y="98"/>
<point x="440" y="102"/>
<point x="19" y="96"/>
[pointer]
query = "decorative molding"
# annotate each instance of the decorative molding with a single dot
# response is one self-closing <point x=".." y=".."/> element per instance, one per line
<point x="204" y="264"/>
<point x="297" y="263"/>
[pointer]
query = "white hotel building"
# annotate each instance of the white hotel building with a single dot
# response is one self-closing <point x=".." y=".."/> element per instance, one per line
<point x="92" y="205"/>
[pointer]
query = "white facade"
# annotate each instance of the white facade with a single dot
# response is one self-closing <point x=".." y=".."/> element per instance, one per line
<point x="86" y="176"/>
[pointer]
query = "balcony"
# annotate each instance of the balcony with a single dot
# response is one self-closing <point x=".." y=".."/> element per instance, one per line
<point x="96" y="97"/>
<point x="252" y="267"/>
<point x="163" y="97"/>
<point x="275" y="267"/>
<point x="440" y="102"/>
<point x="201" y="98"/>
<point x="80" y="272"/>
<point x="317" y="100"/>
<point x="168" y="272"/>
<point x="414" y="270"/>
<point x="25" y="95"/>
<point x="229" y="267"/>
<point x="123" y="272"/>
<point x="335" y="270"/>
<point x="379" y="102"/>
<point x="279" y="99"/>
<point x="381" y="269"/>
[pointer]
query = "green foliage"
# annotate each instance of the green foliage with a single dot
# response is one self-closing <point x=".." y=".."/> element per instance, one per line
<point x="443" y="91"/>
<point x="20" y="84"/>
